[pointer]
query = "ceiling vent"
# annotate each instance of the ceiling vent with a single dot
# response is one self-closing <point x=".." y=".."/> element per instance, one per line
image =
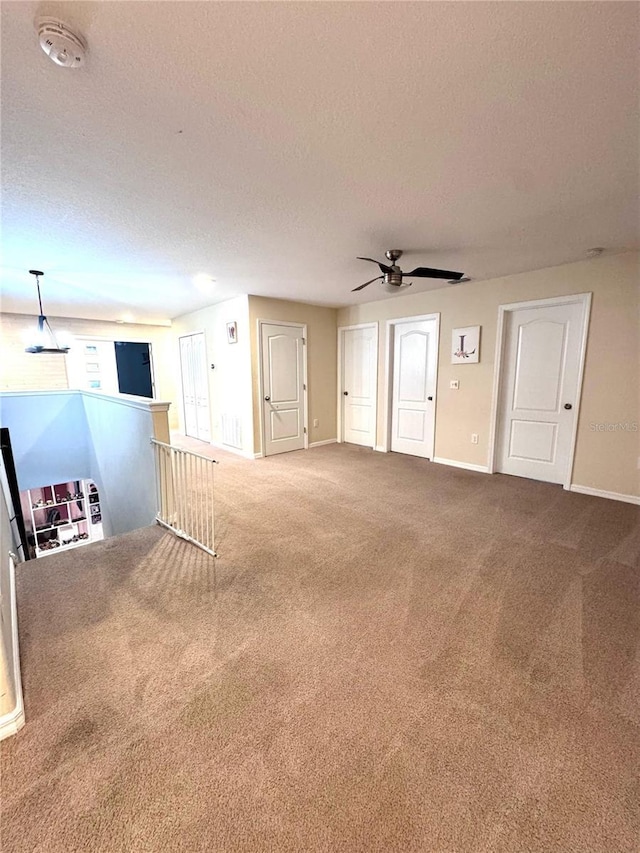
<point x="61" y="44"/>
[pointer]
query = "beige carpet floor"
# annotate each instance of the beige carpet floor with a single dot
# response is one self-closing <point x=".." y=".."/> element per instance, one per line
<point x="389" y="655"/>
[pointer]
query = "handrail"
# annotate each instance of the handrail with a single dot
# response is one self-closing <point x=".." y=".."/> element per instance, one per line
<point x="182" y="450"/>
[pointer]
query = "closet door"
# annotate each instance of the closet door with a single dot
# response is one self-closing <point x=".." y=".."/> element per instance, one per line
<point x="201" y="387"/>
<point x="188" y="387"/>
<point x="359" y="384"/>
<point x="195" y="391"/>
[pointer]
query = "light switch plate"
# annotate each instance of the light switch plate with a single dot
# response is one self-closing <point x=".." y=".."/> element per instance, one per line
<point x="454" y="384"/>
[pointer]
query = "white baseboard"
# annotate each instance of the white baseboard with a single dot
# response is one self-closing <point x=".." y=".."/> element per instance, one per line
<point x="246" y="454"/>
<point x="321" y="443"/>
<point x="380" y="448"/>
<point x="13" y="721"/>
<point x="601" y="493"/>
<point x="482" y="469"/>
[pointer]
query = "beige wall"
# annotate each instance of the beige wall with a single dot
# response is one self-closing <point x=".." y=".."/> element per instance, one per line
<point x="611" y="391"/>
<point x="21" y="371"/>
<point x="321" y="360"/>
<point x="230" y="380"/>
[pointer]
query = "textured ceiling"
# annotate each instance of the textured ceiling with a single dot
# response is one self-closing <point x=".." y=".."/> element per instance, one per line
<point x="269" y="144"/>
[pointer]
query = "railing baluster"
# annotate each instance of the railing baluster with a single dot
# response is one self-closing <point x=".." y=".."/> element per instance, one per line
<point x="168" y="455"/>
<point x="180" y="460"/>
<point x="190" y="494"/>
<point x="197" y="498"/>
<point x="210" y="513"/>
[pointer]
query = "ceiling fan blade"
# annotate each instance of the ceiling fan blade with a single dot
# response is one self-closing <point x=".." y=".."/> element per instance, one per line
<point x="366" y="282"/>
<point x="427" y="272"/>
<point x="383" y="267"/>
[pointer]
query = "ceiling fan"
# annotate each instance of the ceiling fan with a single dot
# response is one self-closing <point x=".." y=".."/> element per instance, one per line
<point x="392" y="275"/>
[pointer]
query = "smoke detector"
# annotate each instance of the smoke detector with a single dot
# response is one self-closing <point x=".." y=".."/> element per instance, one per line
<point x="61" y="44"/>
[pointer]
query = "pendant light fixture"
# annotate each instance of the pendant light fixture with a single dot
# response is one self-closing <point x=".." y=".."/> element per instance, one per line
<point x="44" y="339"/>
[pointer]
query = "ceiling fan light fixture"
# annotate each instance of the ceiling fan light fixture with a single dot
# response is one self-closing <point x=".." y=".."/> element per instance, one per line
<point x="394" y="288"/>
<point x="43" y="340"/>
<point x="393" y="277"/>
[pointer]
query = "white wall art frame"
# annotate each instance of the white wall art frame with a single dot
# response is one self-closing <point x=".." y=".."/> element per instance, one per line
<point x="465" y="345"/>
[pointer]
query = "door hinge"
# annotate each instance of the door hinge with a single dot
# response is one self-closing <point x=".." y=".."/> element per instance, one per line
<point x="304" y="342"/>
<point x="305" y="430"/>
<point x="304" y="386"/>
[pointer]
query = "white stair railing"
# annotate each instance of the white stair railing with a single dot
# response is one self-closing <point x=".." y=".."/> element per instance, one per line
<point x="185" y="482"/>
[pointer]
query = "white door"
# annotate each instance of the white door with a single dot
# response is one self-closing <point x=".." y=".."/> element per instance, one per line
<point x="415" y="362"/>
<point x="195" y="392"/>
<point x="539" y="389"/>
<point x="201" y="387"/>
<point x="359" y="383"/>
<point x="188" y="387"/>
<point x="282" y="387"/>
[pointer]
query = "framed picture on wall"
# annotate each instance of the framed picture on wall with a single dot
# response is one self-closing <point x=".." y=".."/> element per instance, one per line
<point x="465" y="345"/>
<point x="232" y="332"/>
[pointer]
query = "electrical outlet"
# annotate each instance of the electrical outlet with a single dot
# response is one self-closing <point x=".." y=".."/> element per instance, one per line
<point x="474" y="438"/>
<point x="454" y="384"/>
<point x="316" y="422"/>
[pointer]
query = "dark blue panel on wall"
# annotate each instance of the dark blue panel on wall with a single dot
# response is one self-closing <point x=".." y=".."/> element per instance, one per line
<point x="133" y="361"/>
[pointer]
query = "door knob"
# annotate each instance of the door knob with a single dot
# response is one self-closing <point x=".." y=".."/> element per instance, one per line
<point x="267" y="399"/>
<point x="429" y="398"/>
<point x="567" y="405"/>
<point x="346" y="393"/>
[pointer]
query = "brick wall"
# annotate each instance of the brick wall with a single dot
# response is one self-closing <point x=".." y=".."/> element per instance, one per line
<point x="22" y="371"/>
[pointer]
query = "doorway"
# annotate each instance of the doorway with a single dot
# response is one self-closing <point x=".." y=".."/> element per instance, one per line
<point x="283" y="386"/>
<point x="540" y="358"/>
<point x="358" y="386"/>
<point x="412" y="373"/>
<point x="195" y="386"/>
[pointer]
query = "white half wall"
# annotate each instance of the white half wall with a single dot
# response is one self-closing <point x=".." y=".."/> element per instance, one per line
<point x="121" y="460"/>
<point x="49" y="436"/>
<point x="73" y="435"/>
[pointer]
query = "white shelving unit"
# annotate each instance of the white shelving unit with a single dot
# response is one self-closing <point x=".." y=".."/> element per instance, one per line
<point x="62" y="516"/>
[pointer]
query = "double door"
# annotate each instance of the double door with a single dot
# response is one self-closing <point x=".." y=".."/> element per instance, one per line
<point x="195" y="388"/>
<point x="413" y="361"/>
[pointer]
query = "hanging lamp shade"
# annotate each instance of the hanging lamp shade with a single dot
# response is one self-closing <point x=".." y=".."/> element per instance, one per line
<point x="43" y="339"/>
